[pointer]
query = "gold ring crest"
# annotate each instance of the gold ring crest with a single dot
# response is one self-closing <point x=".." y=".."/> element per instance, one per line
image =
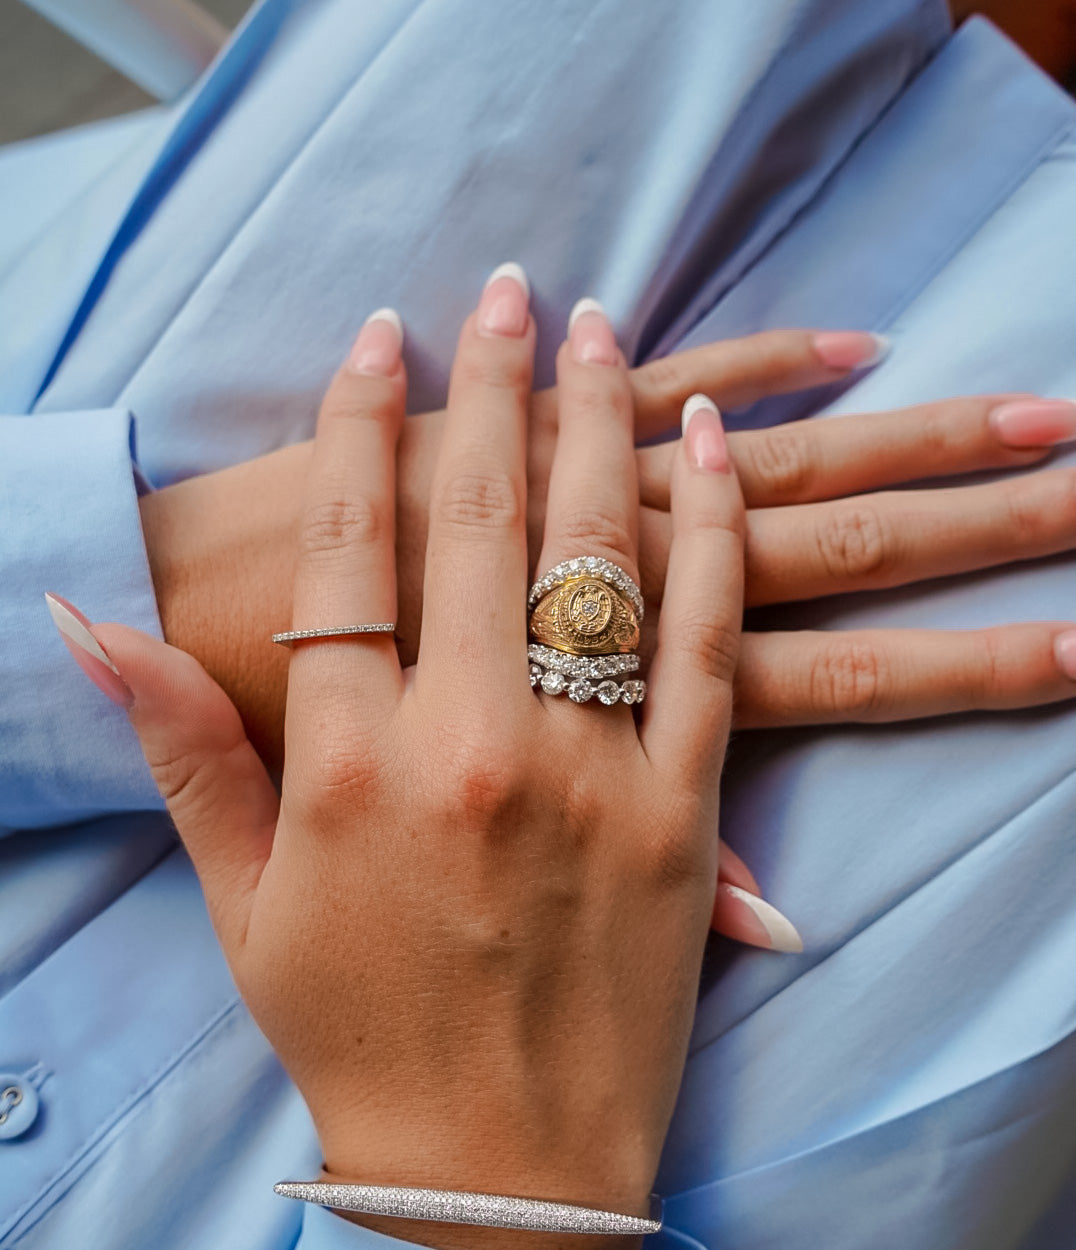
<point x="585" y="616"/>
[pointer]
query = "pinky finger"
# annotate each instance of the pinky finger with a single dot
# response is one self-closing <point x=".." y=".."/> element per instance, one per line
<point x="732" y="870"/>
<point x="744" y="916"/>
<point x="886" y="675"/>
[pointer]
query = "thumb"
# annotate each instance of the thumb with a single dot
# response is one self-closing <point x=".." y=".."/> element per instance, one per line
<point x="216" y="788"/>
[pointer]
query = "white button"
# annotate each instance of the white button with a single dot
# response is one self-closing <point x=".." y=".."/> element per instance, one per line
<point x="19" y="1105"/>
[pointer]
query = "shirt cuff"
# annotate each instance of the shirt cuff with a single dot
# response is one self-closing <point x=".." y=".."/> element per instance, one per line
<point x="322" y="1230"/>
<point x="69" y="487"/>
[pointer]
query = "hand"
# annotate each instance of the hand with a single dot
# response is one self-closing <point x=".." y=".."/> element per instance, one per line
<point x="222" y="549"/>
<point x="473" y="926"/>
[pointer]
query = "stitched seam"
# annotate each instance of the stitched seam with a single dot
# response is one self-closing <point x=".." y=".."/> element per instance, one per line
<point x="124" y="1108"/>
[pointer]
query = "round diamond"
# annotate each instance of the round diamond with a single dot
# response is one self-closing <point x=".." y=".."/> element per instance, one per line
<point x="627" y="693"/>
<point x="580" y="690"/>
<point x="536" y="674"/>
<point x="553" y="683"/>
<point x="609" y="692"/>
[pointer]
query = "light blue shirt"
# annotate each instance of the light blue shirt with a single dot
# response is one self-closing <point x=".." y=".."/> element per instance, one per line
<point x="705" y="169"/>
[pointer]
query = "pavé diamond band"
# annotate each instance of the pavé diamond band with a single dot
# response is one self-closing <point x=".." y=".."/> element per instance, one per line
<point x="451" y="1206"/>
<point x="342" y="631"/>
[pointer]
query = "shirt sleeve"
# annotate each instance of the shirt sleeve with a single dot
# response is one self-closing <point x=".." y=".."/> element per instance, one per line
<point x="69" y="486"/>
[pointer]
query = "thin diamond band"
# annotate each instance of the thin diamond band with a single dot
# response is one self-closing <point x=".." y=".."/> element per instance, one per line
<point x="298" y="635"/>
<point x="456" y="1207"/>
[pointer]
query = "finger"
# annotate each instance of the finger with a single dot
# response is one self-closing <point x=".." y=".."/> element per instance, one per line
<point x="809" y="461"/>
<point x="740" y="371"/>
<point x="875" y="676"/>
<point x="744" y="916"/>
<point x="732" y="870"/>
<point x="217" y="791"/>
<point x="592" y="504"/>
<point x="686" y="719"/>
<point x="475" y="589"/>
<point x="890" y="539"/>
<point x="346" y="570"/>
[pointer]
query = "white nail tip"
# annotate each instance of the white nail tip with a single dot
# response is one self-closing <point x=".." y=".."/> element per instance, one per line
<point x="883" y="345"/>
<point x="783" y="934"/>
<point x="511" y="270"/>
<point x="694" y="404"/>
<point x="71" y="627"/>
<point x="391" y="316"/>
<point x="582" y="306"/>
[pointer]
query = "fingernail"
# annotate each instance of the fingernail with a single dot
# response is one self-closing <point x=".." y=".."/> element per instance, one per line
<point x="704" y="435"/>
<point x="1035" y="422"/>
<point x="774" y="929"/>
<point x="850" y="349"/>
<point x="376" y="350"/>
<point x="1065" y="653"/>
<point x="503" y="308"/>
<point x="89" y="655"/>
<point x="590" y="334"/>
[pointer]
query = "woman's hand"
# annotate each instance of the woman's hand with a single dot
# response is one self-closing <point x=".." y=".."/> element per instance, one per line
<point x="473" y="926"/>
<point x="819" y="525"/>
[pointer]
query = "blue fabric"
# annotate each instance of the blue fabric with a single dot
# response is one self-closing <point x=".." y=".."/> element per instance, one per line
<point x="706" y="169"/>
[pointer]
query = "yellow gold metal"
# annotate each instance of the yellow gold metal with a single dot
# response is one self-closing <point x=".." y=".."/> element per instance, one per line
<point x="585" y="616"/>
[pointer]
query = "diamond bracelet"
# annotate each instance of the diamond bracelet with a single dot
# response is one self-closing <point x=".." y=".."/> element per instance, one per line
<point x="451" y="1206"/>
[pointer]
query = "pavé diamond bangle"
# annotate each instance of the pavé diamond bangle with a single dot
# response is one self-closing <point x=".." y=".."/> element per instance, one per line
<point x="449" y="1206"/>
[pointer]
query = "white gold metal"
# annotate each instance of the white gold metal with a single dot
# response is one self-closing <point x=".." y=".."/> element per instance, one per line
<point x="451" y="1206"/>
<point x="343" y="631"/>
<point x="581" y="665"/>
<point x="588" y="566"/>
<point x="581" y="690"/>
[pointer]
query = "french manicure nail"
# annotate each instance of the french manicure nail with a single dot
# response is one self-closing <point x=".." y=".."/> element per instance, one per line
<point x="376" y="350"/>
<point x="590" y="335"/>
<point x="1035" y="422"/>
<point x="704" y="435"/>
<point x="1065" y="653"/>
<point x="88" y="653"/>
<point x="772" y="926"/>
<point x="850" y="349"/>
<point x="503" y="308"/>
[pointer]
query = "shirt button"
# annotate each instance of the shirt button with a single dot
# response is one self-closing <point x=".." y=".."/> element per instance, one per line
<point x="19" y="1105"/>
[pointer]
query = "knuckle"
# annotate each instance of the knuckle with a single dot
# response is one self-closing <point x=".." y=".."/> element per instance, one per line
<point x="599" y="524"/>
<point x="479" y="499"/>
<point x="711" y="647"/>
<point x="494" y="369"/>
<point x="782" y="463"/>
<point x="852" y="543"/>
<point x="989" y="673"/>
<point x="1036" y="506"/>
<point x="941" y="434"/>
<point x="600" y="402"/>
<point x="338" y="524"/>
<point x="847" y="678"/>
<point x="661" y="381"/>
<point x="676" y="856"/>
<point x="483" y="791"/>
<point x="339" y="768"/>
